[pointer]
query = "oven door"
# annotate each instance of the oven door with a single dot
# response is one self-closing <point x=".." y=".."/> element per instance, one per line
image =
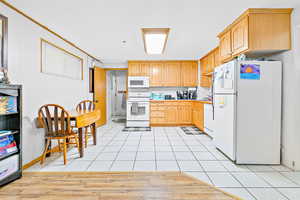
<point x="138" y="82"/>
<point x="138" y="110"/>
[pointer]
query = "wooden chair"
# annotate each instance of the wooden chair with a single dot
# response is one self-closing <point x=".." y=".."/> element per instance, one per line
<point x="56" y="123"/>
<point x="86" y="105"/>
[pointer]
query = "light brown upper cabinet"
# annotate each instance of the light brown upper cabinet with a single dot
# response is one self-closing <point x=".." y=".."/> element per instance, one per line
<point x="156" y="74"/>
<point x="172" y="74"/>
<point x="207" y="66"/>
<point x="145" y="69"/>
<point x="225" y="46"/>
<point x="257" y="32"/>
<point x="134" y="69"/>
<point x="217" y="60"/>
<point x="138" y="68"/>
<point x="189" y="73"/>
<point x="166" y="73"/>
<point x="239" y="36"/>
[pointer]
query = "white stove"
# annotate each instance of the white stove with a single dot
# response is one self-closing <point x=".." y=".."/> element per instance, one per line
<point x="138" y="109"/>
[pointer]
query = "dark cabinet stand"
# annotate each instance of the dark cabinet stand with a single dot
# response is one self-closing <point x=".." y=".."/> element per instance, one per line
<point x="11" y="163"/>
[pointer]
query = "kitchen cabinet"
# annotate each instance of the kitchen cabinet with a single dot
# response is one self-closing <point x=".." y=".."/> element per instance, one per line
<point x="207" y="66"/>
<point x="217" y="60"/>
<point x="177" y="112"/>
<point x="144" y="69"/>
<point x="257" y="32"/>
<point x="189" y="73"/>
<point x="239" y="35"/>
<point x="172" y="75"/>
<point x="156" y="74"/>
<point x="134" y="69"/>
<point x="184" y="114"/>
<point x="166" y="73"/>
<point x="171" y="113"/>
<point x="225" y="46"/>
<point x="198" y="115"/>
<point x="206" y="81"/>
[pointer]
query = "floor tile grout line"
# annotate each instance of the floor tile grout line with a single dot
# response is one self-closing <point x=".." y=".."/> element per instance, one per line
<point x="155" y="150"/>
<point x="173" y="151"/>
<point x="97" y="155"/>
<point x="281" y="172"/>
<point x="200" y="164"/>
<point x="102" y="149"/>
<point x="136" y="153"/>
<point x="112" y="163"/>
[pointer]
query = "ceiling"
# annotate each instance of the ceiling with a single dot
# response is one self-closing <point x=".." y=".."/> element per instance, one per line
<point x="100" y="26"/>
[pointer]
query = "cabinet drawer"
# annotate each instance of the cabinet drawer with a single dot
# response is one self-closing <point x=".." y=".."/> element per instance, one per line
<point x="154" y="108"/>
<point x="157" y="120"/>
<point x="157" y="114"/>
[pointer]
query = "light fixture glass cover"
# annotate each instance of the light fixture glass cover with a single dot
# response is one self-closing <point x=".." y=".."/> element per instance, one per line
<point x="155" y="39"/>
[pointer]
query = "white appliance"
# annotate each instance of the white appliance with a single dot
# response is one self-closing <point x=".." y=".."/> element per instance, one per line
<point x="209" y="120"/>
<point x="138" y="109"/>
<point x="247" y="111"/>
<point x="138" y="82"/>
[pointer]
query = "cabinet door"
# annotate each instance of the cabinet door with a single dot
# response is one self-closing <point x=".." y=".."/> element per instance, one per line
<point x="194" y="117"/>
<point x="239" y="35"/>
<point x="205" y="81"/>
<point x="203" y="65"/>
<point x="156" y="74"/>
<point x="210" y="63"/>
<point x="145" y="69"/>
<point x="184" y="114"/>
<point x="189" y="73"/>
<point x="172" y="74"/>
<point x="134" y="68"/>
<point x="201" y="116"/>
<point x="171" y="114"/>
<point x="217" y="61"/>
<point x="225" y="46"/>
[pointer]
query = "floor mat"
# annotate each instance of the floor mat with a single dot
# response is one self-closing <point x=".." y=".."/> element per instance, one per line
<point x="192" y="130"/>
<point x="136" y="129"/>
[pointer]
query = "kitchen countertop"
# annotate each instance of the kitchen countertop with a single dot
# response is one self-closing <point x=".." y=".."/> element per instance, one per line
<point x="183" y="100"/>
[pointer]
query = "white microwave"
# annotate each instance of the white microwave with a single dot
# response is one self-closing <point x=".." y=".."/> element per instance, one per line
<point x="138" y="82"/>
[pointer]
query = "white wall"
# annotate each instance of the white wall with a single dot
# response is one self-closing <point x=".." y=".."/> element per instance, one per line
<point x="38" y="88"/>
<point x="291" y="97"/>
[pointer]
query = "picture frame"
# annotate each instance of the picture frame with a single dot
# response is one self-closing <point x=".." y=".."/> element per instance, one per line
<point x="3" y="42"/>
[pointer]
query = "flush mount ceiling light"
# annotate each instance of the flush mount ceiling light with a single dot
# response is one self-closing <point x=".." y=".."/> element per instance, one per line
<point x="155" y="39"/>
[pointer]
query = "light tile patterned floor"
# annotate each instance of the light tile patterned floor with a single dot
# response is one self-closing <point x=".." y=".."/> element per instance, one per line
<point x="169" y="149"/>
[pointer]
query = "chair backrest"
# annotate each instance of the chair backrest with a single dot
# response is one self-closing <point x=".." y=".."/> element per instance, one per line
<point x="55" y="120"/>
<point x="86" y="105"/>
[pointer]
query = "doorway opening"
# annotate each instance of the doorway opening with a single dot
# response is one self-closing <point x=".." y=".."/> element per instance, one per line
<point x="117" y="84"/>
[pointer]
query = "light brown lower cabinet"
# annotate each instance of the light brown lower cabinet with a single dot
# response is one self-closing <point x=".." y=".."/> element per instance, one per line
<point x="170" y="113"/>
<point x="177" y="113"/>
<point x="198" y="115"/>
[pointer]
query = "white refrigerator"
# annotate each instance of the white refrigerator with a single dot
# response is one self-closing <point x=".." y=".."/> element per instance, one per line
<point x="247" y="111"/>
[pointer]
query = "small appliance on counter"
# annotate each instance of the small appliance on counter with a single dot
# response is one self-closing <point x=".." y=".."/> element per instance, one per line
<point x="189" y="94"/>
<point x="169" y="97"/>
<point x="192" y="93"/>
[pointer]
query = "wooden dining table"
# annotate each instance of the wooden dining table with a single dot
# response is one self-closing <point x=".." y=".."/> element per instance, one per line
<point x="82" y="119"/>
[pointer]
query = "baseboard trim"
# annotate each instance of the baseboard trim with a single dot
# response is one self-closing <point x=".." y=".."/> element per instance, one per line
<point x="38" y="159"/>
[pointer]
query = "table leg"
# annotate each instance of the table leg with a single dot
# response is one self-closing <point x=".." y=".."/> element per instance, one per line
<point x="94" y="129"/>
<point x="81" y="146"/>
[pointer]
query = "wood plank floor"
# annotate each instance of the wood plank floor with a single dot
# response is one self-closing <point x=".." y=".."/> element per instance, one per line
<point x="110" y="186"/>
